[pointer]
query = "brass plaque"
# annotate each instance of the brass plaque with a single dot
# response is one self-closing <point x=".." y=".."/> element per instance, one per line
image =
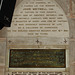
<point x="37" y="58"/>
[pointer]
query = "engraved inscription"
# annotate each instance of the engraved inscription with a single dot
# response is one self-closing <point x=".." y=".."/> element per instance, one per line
<point x="39" y="17"/>
<point x="37" y="58"/>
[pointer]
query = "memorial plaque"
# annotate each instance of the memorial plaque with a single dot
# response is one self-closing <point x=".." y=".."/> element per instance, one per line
<point x="37" y="58"/>
<point x="39" y="18"/>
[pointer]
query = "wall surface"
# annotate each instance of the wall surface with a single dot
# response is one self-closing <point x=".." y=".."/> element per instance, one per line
<point x="9" y="40"/>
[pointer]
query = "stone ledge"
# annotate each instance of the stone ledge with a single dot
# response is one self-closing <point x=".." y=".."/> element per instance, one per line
<point x="2" y="65"/>
<point x="2" y="39"/>
<point x="72" y="39"/>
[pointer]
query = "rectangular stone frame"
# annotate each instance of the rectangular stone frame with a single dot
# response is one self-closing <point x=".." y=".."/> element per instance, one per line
<point x="37" y="69"/>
